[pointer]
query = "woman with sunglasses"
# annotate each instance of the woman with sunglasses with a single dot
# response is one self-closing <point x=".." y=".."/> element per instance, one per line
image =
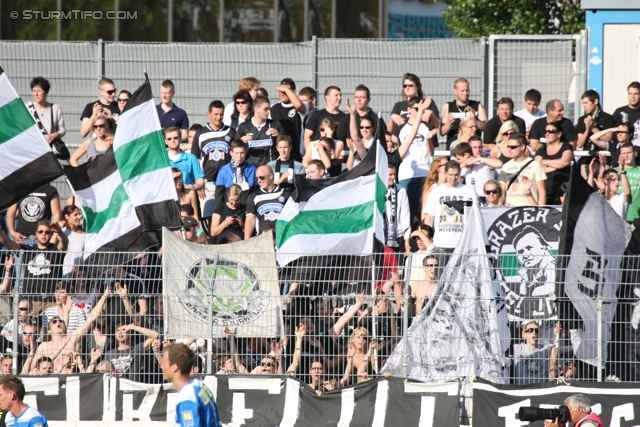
<point x="123" y="99"/>
<point x="493" y="193"/>
<point x="411" y="86"/>
<point x="500" y="154"/>
<point x="242" y="108"/>
<point x="367" y="130"/>
<point x="97" y="144"/>
<point x="555" y="157"/>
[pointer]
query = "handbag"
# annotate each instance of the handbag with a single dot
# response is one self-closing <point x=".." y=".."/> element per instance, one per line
<point x="58" y="146"/>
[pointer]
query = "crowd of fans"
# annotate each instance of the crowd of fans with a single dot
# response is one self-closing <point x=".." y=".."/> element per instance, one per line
<point x="233" y="176"/>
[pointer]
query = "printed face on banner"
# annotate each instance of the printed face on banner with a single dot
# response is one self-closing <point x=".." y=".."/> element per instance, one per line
<point x="524" y="241"/>
<point x="238" y="299"/>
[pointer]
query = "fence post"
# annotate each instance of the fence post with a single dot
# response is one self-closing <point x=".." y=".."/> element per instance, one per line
<point x="210" y="316"/>
<point x="314" y="62"/>
<point x="405" y="315"/>
<point x="599" y="307"/>
<point x="17" y="268"/>
<point x="100" y="66"/>
<point x="490" y="56"/>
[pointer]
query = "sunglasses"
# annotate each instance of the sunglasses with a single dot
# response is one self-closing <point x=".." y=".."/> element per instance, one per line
<point x="267" y="364"/>
<point x="55" y="321"/>
<point x="551" y="131"/>
<point x="29" y="334"/>
<point x="487" y="192"/>
<point x="43" y="232"/>
<point x="321" y="129"/>
<point x="172" y="138"/>
<point x="366" y="127"/>
<point x="414" y="108"/>
<point x="431" y="265"/>
<point x="99" y="126"/>
<point x="123" y="99"/>
<point x="23" y="308"/>
<point x="111" y="92"/>
<point x="512" y="147"/>
<point x="260" y="178"/>
<point x="187" y="229"/>
<point x="472" y="127"/>
<point x="509" y="133"/>
<point x="408" y="85"/>
<point x="532" y="330"/>
<point x="241" y="102"/>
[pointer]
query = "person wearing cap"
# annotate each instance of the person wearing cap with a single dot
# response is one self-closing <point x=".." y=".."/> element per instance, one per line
<point x="192" y="232"/>
<point x="532" y="361"/>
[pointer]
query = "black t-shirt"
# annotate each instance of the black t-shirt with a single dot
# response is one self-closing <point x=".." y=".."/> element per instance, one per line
<point x="343" y="130"/>
<point x="262" y="147"/>
<point x="113" y="107"/>
<point x="212" y="148"/>
<point x="33" y="208"/>
<point x="336" y="168"/>
<point x="225" y="211"/>
<point x="603" y="121"/>
<point x="314" y="122"/>
<point x="538" y="127"/>
<point x="459" y="112"/>
<point x="557" y="177"/>
<point x="267" y="206"/>
<point x="632" y="116"/>
<point x="42" y="270"/>
<point x="402" y="109"/>
<point x="291" y="122"/>
<point x="493" y="127"/>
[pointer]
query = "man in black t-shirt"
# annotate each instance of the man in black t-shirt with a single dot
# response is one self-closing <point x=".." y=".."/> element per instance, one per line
<point x="106" y="105"/>
<point x="458" y="109"/>
<point x="361" y="99"/>
<point x="260" y="133"/>
<point x="631" y="113"/>
<point x="211" y="146"/>
<point x="594" y="120"/>
<point x="44" y="203"/>
<point x="504" y="112"/>
<point x="333" y="99"/>
<point x="42" y="263"/>
<point x="555" y="114"/>
<point x="290" y="112"/>
<point x="264" y="204"/>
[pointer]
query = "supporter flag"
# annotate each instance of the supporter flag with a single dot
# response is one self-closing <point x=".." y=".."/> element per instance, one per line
<point x="463" y="330"/>
<point x="341" y="215"/>
<point x="128" y="190"/>
<point x="27" y="161"/>
<point x="593" y="239"/>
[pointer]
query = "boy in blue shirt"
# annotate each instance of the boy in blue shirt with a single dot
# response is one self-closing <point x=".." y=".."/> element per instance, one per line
<point x="192" y="174"/>
<point x="196" y="406"/>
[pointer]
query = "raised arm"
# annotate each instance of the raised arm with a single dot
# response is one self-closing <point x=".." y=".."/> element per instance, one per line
<point x="6" y="281"/>
<point x="355" y="133"/>
<point x="346" y="317"/>
<point x="93" y="315"/>
<point x="626" y="187"/>
<point x="602" y="138"/>
<point x="149" y="333"/>
<point x="235" y="356"/>
<point x="126" y="301"/>
<point x="295" y="362"/>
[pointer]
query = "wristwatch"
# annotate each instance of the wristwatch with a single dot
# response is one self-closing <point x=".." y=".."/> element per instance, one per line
<point x="623" y="173"/>
<point x="545" y="163"/>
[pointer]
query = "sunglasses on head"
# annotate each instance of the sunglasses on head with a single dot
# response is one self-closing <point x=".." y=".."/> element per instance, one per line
<point x="111" y="92"/>
<point x="531" y="330"/>
<point x="99" y="126"/>
<point x="551" y="131"/>
<point x="495" y="191"/>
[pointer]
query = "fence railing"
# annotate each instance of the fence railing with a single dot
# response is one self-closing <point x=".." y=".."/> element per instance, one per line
<point x="350" y="315"/>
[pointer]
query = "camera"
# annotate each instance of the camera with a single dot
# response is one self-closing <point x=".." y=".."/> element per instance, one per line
<point x="526" y="413"/>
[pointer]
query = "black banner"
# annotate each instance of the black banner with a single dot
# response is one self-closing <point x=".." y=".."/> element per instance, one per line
<point x="250" y="400"/>
<point x="617" y="404"/>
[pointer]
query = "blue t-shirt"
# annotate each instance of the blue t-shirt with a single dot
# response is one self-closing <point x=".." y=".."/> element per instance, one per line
<point x="190" y="167"/>
<point x="30" y="417"/>
<point x="196" y="406"/>
<point x="174" y="117"/>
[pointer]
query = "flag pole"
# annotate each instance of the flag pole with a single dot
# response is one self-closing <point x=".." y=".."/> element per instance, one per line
<point x="374" y="320"/>
<point x="146" y="76"/>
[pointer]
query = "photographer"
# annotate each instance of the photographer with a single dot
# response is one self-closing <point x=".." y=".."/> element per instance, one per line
<point x="580" y="414"/>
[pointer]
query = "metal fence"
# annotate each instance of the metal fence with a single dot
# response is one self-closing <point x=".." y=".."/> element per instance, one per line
<point x="498" y="66"/>
<point x="321" y="312"/>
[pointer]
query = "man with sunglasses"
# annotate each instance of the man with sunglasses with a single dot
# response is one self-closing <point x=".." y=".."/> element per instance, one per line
<point x="532" y="361"/>
<point x="42" y="263"/>
<point x="106" y="106"/>
<point x="504" y="112"/>
<point x="264" y="204"/>
<point x="527" y="188"/>
<point x="192" y="174"/>
<point x="555" y="114"/>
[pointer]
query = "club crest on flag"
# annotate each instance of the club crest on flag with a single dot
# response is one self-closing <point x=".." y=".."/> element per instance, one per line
<point x="524" y="241"/>
<point x="237" y="300"/>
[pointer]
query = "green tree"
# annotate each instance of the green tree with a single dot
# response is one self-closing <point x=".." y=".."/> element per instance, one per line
<point x="479" y="18"/>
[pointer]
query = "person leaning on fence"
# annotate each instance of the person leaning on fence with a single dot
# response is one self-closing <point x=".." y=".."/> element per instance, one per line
<point x="43" y="263"/>
<point x="19" y="414"/>
<point x="358" y="356"/>
<point x="532" y="361"/>
<point x="522" y="178"/>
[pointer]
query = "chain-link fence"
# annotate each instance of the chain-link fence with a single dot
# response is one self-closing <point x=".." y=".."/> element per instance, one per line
<point x="330" y="320"/>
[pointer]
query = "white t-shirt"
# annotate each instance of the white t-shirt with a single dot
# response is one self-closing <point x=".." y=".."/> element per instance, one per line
<point x="228" y="112"/>
<point x="75" y="251"/>
<point x="447" y="221"/>
<point x="417" y="162"/>
<point x="619" y="205"/>
<point x="528" y="117"/>
<point x="479" y="174"/>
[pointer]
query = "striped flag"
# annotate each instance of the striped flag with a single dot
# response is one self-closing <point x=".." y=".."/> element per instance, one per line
<point x="27" y="161"/>
<point x="341" y="215"/>
<point x="128" y="190"/>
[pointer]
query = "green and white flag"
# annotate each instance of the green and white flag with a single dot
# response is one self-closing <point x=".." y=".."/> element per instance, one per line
<point x="341" y="215"/>
<point x="129" y="190"/>
<point x="27" y="161"/>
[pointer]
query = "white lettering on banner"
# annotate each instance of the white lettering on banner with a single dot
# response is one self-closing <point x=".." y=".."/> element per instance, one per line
<point x="291" y="403"/>
<point x="428" y="403"/>
<point x="510" y="414"/>
<point x="621" y="411"/>
<point x="72" y="398"/>
<point x="259" y="143"/>
<point x="427" y="411"/>
<point x="143" y="413"/>
<point x="348" y="404"/>
<point x="382" y="397"/>
<point x="239" y="413"/>
<point x="50" y="387"/>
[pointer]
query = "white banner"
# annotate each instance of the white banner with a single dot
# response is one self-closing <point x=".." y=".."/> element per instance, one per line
<point x="238" y="280"/>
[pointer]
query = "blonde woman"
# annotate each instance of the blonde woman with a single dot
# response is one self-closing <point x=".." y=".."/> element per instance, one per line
<point x="435" y="177"/>
<point x="468" y="128"/>
<point x="500" y="154"/>
<point x="357" y="354"/>
<point x="97" y="143"/>
<point x="493" y="193"/>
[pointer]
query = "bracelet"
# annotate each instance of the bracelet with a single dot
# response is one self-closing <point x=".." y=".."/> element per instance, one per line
<point x="529" y="194"/>
<point x="623" y="173"/>
<point x="298" y="348"/>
